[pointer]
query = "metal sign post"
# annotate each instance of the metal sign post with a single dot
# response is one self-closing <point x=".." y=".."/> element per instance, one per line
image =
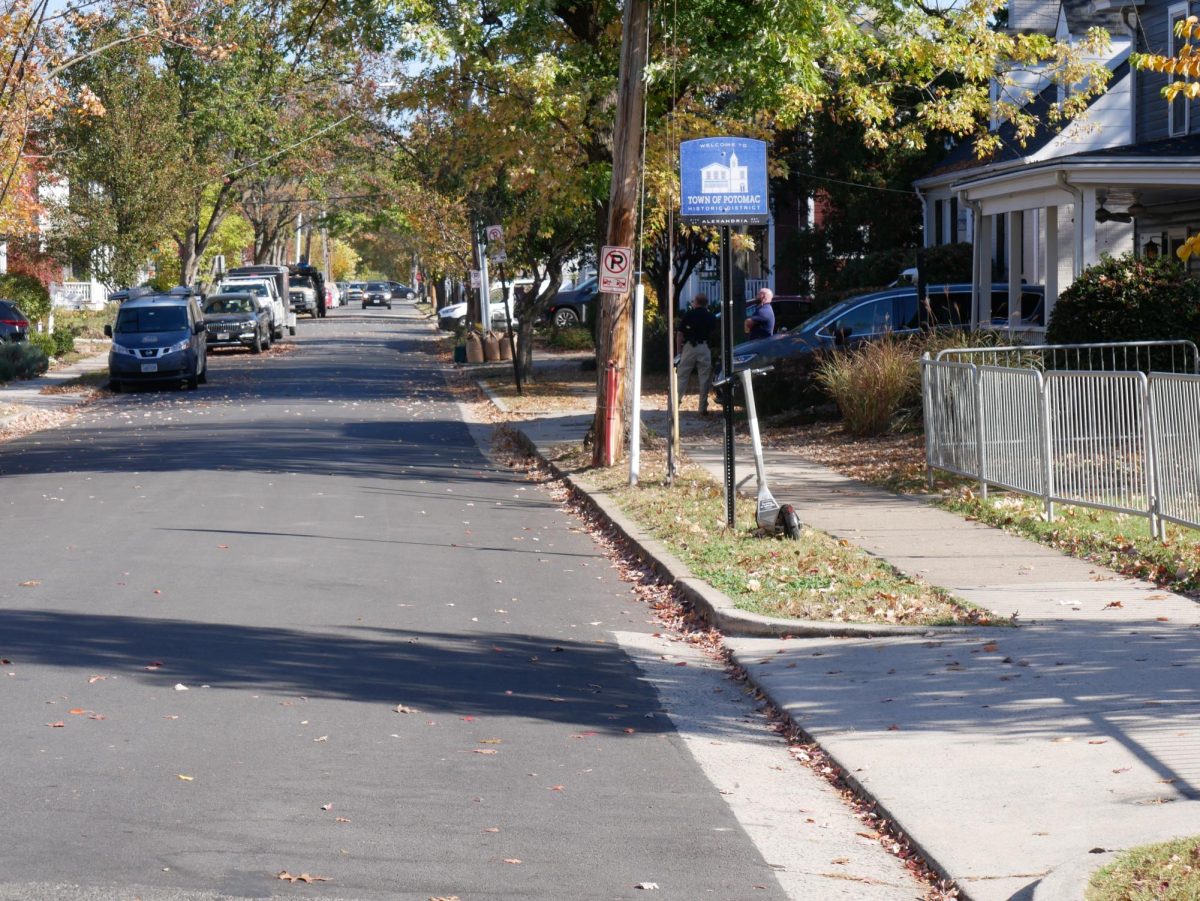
<point x="728" y="336"/>
<point x="723" y="182"/>
<point x="495" y="235"/>
<point x="635" y="436"/>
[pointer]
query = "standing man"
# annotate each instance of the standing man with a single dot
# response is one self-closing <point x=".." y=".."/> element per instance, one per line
<point x="692" y="339"/>
<point x="762" y="323"/>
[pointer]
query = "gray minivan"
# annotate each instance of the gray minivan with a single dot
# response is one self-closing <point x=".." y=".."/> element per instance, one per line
<point x="158" y="338"/>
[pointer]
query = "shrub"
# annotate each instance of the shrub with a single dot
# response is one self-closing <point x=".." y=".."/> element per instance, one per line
<point x="64" y="341"/>
<point x="1127" y="298"/>
<point x="876" y="268"/>
<point x="22" y="360"/>
<point x="27" y="293"/>
<point x="871" y="383"/>
<point x="947" y="264"/>
<point x="577" y="338"/>
<point x="43" y="342"/>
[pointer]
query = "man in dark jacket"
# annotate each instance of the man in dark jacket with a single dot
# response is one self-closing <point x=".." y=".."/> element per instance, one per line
<point x="694" y="353"/>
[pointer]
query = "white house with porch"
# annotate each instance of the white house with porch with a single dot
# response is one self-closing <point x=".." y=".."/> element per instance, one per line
<point x="1124" y="178"/>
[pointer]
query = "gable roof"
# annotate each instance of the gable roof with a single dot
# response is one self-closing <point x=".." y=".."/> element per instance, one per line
<point x="1041" y="16"/>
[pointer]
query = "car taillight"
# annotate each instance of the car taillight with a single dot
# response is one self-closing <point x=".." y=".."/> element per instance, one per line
<point x="19" y="323"/>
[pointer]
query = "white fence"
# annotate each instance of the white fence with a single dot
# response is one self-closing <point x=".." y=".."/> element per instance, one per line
<point x="78" y="295"/>
<point x="1107" y="436"/>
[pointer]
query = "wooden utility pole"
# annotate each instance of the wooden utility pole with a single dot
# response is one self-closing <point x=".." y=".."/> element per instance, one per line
<point x="613" y="352"/>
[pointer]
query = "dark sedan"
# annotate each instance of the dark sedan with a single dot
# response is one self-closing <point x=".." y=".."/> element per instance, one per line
<point x="14" y="325"/>
<point x="237" y="320"/>
<point x="377" y="294"/>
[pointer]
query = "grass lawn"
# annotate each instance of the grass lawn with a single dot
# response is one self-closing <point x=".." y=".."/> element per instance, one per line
<point x="1151" y="873"/>
<point x="86" y="380"/>
<point x="817" y="577"/>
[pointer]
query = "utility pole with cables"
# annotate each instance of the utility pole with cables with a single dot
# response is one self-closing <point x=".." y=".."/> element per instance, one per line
<point x="613" y="337"/>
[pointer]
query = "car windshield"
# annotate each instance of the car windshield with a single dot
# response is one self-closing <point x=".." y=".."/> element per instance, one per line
<point x="251" y="287"/>
<point x="297" y="282"/>
<point x="377" y="286"/>
<point x="152" y="319"/>
<point x="229" y="305"/>
<point x="827" y="315"/>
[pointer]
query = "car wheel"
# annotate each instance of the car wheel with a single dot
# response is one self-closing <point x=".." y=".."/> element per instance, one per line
<point x="565" y="317"/>
<point x="364" y="306"/>
<point x="389" y="306"/>
<point x="256" y="347"/>
<point x="292" y="330"/>
<point x="267" y="340"/>
<point x="461" y="323"/>
<point x="193" y="382"/>
<point x="114" y="386"/>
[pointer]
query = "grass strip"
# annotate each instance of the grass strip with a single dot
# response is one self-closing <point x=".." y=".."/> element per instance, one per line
<point x="1151" y="873"/>
<point x="815" y="578"/>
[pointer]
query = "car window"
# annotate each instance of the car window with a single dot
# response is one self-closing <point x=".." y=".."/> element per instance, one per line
<point x="229" y="305"/>
<point x="871" y="318"/>
<point x="907" y="313"/>
<point x="377" y="286"/>
<point x="948" y="307"/>
<point x="1033" y="311"/>
<point x="253" y="287"/>
<point x="10" y="310"/>
<point x="151" y="319"/>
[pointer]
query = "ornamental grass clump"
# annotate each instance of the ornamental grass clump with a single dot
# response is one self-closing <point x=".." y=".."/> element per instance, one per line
<point x="872" y="383"/>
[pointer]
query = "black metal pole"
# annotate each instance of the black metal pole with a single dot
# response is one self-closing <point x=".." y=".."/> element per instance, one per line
<point x="512" y="341"/>
<point x="727" y="338"/>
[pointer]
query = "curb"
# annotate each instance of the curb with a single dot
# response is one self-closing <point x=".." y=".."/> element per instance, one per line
<point x="717" y="608"/>
<point x="1070" y="880"/>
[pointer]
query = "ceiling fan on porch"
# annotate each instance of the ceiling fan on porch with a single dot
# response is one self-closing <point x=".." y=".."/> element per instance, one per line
<point x="1106" y="215"/>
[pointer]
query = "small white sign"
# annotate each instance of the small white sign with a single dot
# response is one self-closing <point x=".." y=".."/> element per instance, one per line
<point x="475" y="279"/>
<point x="495" y="233"/>
<point x="497" y="255"/>
<point x="616" y="268"/>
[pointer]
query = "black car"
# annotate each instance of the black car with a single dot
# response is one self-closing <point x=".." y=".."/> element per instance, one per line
<point x="377" y="294"/>
<point x="569" y="308"/>
<point x="237" y="320"/>
<point x="14" y="325"/>
<point x="401" y="291"/>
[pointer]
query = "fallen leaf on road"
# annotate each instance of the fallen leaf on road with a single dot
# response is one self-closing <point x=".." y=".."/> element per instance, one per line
<point x="491" y="741"/>
<point x="303" y="877"/>
<point x="893" y="728"/>
<point x="59" y="725"/>
<point x="1098" y="741"/>
<point x="1113" y="604"/>
<point x="513" y="860"/>
<point x="555" y="788"/>
<point x="223" y="547"/>
<point x="92" y="680"/>
<point x="170" y="716"/>
<point x="1121" y="769"/>
<point x="76" y="711"/>
<point x="647" y="886"/>
<point x="486" y="751"/>
<point x="185" y="778"/>
<point x="32" y="583"/>
<point x="1162" y="619"/>
<point x="840" y="860"/>
<point x="179" y="686"/>
<point x="322" y="738"/>
<point x="327" y="807"/>
<point x="629" y="731"/>
<point x="991" y="647"/>
<point x="492" y="829"/>
<point x="401" y="708"/>
<point x="1062" y="739"/>
<point x="340" y="820"/>
<point x="95" y="716"/>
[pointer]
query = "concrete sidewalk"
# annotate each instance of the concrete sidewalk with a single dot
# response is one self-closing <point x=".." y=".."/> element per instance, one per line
<point x="25" y="398"/>
<point x="1010" y="756"/>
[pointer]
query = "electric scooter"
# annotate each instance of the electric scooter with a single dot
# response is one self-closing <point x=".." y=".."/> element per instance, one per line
<point x="770" y="515"/>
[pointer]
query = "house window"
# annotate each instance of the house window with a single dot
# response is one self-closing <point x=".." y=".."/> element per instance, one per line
<point x="1180" y="108"/>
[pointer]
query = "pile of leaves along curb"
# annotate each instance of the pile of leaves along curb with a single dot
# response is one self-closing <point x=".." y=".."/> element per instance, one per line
<point x="671" y="609"/>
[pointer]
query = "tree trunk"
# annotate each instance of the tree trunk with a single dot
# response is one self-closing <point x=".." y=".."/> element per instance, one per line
<point x="189" y="257"/>
<point x="615" y="330"/>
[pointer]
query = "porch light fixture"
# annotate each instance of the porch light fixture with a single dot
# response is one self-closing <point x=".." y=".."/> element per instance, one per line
<point x="1150" y="251"/>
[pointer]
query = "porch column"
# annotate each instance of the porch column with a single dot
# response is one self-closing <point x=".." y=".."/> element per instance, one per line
<point x="1086" y="224"/>
<point x="983" y="277"/>
<point x="1016" y="248"/>
<point x="1051" y="282"/>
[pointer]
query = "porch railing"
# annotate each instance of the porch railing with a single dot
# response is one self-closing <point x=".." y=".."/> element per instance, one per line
<point x="78" y="295"/>
<point x="1113" y="436"/>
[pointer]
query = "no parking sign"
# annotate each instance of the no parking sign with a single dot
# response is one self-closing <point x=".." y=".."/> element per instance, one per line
<point x="616" y="265"/>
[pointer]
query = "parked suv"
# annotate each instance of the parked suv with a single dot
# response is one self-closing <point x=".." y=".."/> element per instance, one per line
<point x="264" y="288"/>
<point x="14" y="325"/>
<point x="870" y="317"/>
<point x="158" y="338"/>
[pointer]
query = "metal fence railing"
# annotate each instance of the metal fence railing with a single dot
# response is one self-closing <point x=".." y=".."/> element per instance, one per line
<point x="1113" y="438"/>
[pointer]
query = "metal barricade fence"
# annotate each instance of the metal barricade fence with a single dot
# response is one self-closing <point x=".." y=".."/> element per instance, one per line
<point x="1013" y="428"/>
<point x="1175" y="425"/>
<point x="1130" y="356"/>
<point x="1115" y="440"/>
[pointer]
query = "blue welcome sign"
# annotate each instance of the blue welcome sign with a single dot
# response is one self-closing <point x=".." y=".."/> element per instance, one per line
<point x="723" y="181"/>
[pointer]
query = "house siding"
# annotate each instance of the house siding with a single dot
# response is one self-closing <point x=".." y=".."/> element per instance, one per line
<point x="1152" y="113"/>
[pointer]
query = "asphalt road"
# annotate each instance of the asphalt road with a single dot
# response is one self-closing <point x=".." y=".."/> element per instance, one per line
<point x="213" y="603"/>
